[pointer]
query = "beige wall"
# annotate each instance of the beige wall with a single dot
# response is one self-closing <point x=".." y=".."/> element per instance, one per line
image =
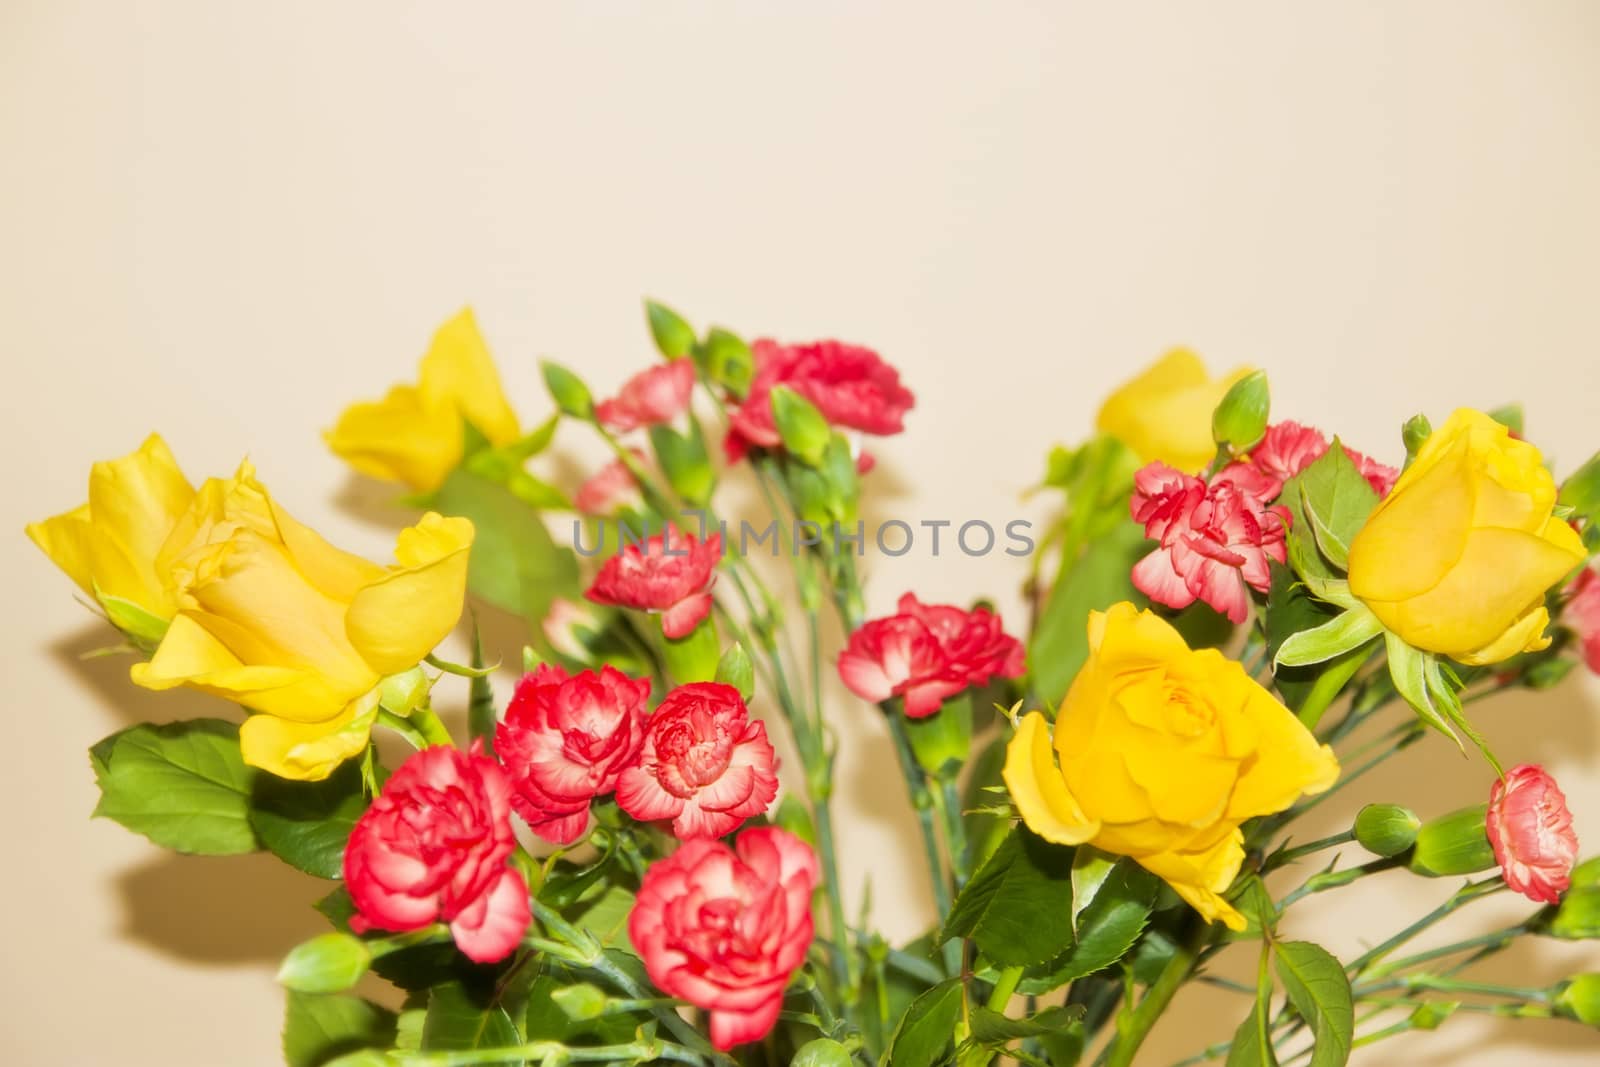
<point x="226" y="220"/>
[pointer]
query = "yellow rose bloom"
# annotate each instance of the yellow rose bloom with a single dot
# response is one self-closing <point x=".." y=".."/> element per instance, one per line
<point x="109" y="544"/>
<point x="1163" y="752"/>
<point x="1458" y="557"/>
<point x="414" y="434"/>
<point x="1164" y="415"/>
<point x="302" y="634"/>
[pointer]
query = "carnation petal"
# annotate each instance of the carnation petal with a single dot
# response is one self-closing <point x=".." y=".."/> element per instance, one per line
<point x="490" y="928"/>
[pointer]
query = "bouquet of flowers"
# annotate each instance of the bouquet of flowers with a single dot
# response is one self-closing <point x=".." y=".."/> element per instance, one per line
<point x="1233" y="619"/>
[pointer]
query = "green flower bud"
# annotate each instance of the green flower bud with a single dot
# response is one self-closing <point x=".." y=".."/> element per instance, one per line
<point x="568" y="391"/>
<point x="580" y="1002"/>
<point x="943" y="740"/>
<point x="1416" y="430"/>
<point x="1580" y="999"/>
<point x="1457" y="843"/>
<point x="1240" y="421"/>
<point x="673" y="336"/>
<point x="735" y="669"/>
<point x="329" y="963"/>
<point x="1577" y="917"/>
<point x="804" y="431"/>
<point x="822" y="1052"/>
<point x="1386" y="829"/>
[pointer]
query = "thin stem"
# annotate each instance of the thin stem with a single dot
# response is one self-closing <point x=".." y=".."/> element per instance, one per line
<point x="1493" y="941"/>
<point x="947" y="801"/>
<point x="843" y="971"/>
<point x="1465" y="895"/>
<point x="922" y="801"/>
<point x="1289" y="855"/>
<point x="1133" y="1027"/>
<point x="1004" y="986"/>
<point x="1325" y="880"/>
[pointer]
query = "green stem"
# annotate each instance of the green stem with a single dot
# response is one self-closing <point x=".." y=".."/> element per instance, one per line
<point x="1134" y="1026"/>
<point x="922" y="802"/>
<point x="1005" y="985"/>
<point x="1490" y="942"/>
<point x="432" y="727"/>
<point x="1465" y="895"/>
<point x="843" y="970"/>
<point x="947" y="801"/>
<point x="1289" y="855"/>
<point x="1329" y="684"/>
<point x="1325" y="880"/>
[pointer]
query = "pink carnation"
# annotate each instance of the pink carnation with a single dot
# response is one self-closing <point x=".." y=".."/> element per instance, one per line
<point x="659" y="394"/>
<point x="927" y="653"/>
<point x="1582" y="614"/>
<point x="1215" y="541"/>
<point x="852" y="387"/>
<point x="671" y="573"/>
<point x="1531" y="831"/>
<point x="1289" y="448"/>
<point x="611" y="489"/>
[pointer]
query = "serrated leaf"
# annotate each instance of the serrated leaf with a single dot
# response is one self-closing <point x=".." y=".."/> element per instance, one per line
<point x="1336" y="501"/>
<point x="923" y="1037"/>
<point x="1345" y="632"/>
<point x="306" y="824"/>
<point x="1090" y="869"/>
<point x="1107" y="929"/>
<point x="994" y="1029"/>
<point x="1319" y="990"/>
<point x="1015" y="906"/>
<point x="318" y="1028"/>
<point x="460" y="1017"/>
<point x="1252" y="1042"/>
<point x="183" y="785"/>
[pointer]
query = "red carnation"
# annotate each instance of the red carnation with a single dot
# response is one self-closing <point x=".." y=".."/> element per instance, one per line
<point x="1214" y="540"/>
<point x="670" y="573"/>
<point x="1289" y="448"/>
<point x="1531" y="831"/>
<point x="433" y="847"/>
<point x="704" y="764"/>
<point x="1582" y="614"/>
<point x="565" y="740"/>
<point x="852" y="387"/>
<point x="659" y="394"/>
<point x="725" y="928"/>
<point x="927" y="653"/>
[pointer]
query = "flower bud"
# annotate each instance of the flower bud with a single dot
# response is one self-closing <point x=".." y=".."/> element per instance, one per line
<point x="568" y="391"/>
<point x="580" y="1002"/>
<point x="1456" y="843"/>
<point x="1580" y="999"/>
<point x="735" y="669"/>
<point x="673" y="336"/>
<point x="329" y="963"/>
<point x="1577" y="917"/>
<point x="1241" y="419"/>
<point x="1386" y="829"/>
<point x="1416" y="430"/>
<point x="804" y="431"/>
<point x="942" y="741"/>
<point x="822" y="1052"/>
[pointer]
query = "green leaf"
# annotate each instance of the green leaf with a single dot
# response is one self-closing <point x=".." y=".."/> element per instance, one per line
<point x="544" y="1019"/>
<point x="1107" y="929"/>
<point x="1240" y="420"/>
<point x="318" y="1028"/>
<point x="1013" y="907"/>
<point x="994" y="1029"/>
<point x="1252" y="1044"/>
<point x="465" y="1018"/>
<point x="183" y="785"/>
<point x="1317" y="987"/>
<point x="141" y="626"/>
<point x="1335" y="501"/>
<point x="823" y="1052"/>
<point x="1509" y="416"/>
<point x="1581" y="491"/>
<point x="1093" y="582"/>
<point x="607" y="918"/>
<point x="515" y="564"/>
<point x="924" y="1035"/>
<point x="1090" y="870"/>
<point x="1345" y="632"/>
<point x="984" y="829"/>
<point x="673" y="336"/>
<point x="306" y="824"/>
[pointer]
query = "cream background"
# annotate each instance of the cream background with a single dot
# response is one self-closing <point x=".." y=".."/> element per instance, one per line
<point x="226" y="220"/>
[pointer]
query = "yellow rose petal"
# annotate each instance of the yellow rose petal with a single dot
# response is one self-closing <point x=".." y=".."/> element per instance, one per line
<point x="1037" y="788"/>
<point x="398" y="619"/>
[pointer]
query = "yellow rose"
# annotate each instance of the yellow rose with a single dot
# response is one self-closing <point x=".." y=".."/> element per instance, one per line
<point x="302" y="634"/>
<point x="1457" y="558"/>
<point x="1164" y="751"/>
<point x="109" y="545"/>
<point x="1164" y="414"/>
<point x="414" y="434"/>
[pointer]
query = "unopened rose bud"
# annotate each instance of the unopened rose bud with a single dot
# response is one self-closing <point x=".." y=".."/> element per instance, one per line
<point x="1386" y="829"/>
